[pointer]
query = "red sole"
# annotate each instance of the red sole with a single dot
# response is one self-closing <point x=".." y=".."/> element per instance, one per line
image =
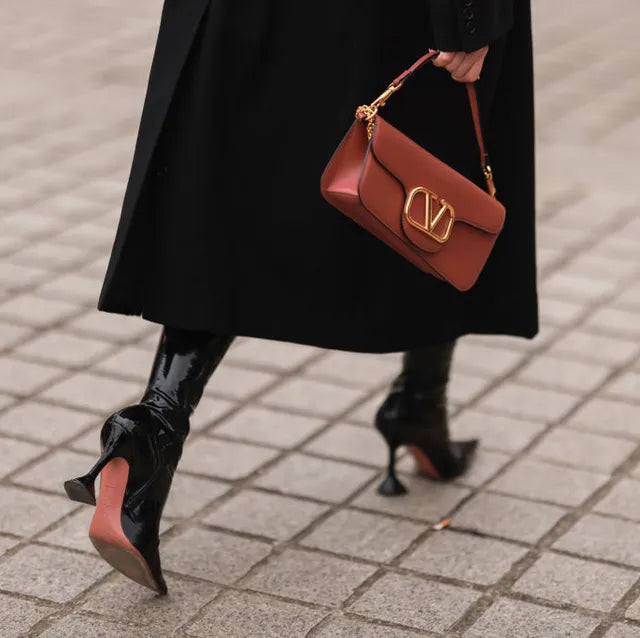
<point x="423" y="462"/>
<point x="106" y="531"/>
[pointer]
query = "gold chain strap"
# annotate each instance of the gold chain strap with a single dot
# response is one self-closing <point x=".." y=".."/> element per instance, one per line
<point x="366" y="112"/>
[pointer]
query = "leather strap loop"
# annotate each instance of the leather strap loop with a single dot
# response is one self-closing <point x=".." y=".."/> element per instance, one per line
<point x="427" y="57"/>
<point x="477" y="124"/>
<point x="430" y="56"/>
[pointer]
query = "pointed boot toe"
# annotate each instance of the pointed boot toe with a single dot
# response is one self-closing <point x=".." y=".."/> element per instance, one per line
<point x="464" y="450"/>
<point x="463" y="453"/>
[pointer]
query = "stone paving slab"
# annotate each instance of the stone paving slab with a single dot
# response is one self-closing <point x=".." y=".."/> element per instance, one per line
<point x="274" y="528"/>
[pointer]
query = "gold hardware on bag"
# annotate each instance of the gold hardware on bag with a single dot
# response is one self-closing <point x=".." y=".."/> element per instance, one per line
<point x="430" y="222"/>
<point x="381" y="100"/>
<point x="368" y="112"/>
<point x="488" y="174"/>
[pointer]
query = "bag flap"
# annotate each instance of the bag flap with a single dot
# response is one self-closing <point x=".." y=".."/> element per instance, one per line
<point x="453" y="195"/>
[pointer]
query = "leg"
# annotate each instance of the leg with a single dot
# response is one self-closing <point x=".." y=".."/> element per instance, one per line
<point x="141" y="447"/>
<point x="415" y="414"/>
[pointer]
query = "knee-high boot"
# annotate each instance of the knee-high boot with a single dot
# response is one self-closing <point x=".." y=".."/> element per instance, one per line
<point x="415" y="414"/>
<point x="141" y="446"/>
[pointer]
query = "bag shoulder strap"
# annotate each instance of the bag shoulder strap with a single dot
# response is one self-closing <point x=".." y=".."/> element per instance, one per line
<point x="475" y="112"/>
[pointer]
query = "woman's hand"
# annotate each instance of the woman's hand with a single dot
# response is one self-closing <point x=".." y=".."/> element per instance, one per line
<point x="464" y="67"/>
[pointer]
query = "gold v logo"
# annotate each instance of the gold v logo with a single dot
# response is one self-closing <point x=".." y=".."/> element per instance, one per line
<point x="431" y="221"/>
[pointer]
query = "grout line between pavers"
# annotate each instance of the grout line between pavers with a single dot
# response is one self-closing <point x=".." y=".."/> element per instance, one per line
<point x="367" y="620"/>
<point x="618" y="612"/>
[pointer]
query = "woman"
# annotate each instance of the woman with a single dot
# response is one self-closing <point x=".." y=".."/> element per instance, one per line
<point x="224" y="231"/>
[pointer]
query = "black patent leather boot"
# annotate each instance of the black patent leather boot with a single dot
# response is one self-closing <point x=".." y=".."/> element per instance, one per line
<point x="414" y="414"/>
<point x="141" y="447"/>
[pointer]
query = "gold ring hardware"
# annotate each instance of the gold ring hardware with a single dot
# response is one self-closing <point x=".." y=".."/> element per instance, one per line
<point x="368" y="112"/>
<point x="430" y="221"/>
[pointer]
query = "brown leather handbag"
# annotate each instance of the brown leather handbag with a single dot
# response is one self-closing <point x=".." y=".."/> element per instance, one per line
<point x="421" y="207"/>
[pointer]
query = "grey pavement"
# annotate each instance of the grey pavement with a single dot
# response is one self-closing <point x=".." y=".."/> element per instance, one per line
<point x="274" y="528"/>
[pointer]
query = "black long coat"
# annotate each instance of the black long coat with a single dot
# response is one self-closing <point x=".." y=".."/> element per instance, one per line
<point x="223" y="226"/>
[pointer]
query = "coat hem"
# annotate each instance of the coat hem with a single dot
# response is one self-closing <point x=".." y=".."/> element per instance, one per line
<point x="330" y="342"/>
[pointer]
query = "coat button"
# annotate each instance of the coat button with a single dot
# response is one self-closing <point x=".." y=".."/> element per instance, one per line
<point x="467" y="12"/>
<point x="471" y="29"/>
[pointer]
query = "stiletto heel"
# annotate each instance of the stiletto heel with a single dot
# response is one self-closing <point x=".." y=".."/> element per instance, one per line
<point x="82" y="488"/>
<point x="391" y="486"/>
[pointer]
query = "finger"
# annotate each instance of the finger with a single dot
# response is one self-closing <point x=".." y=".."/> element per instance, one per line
<point x="482" y="53"/>
<point x="472" y="74"/>
<point x="463" y="68"/>
<point x="476" y="70"/>
<point x="478" y="53"/>
<point x="458" y="59"/>
<point x="444" y="58"/>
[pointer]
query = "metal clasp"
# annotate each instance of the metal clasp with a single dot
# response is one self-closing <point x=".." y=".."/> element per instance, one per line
<point x="381" y="100"/>
<point x="488" y="174"/>
<point x="368" y="112"/>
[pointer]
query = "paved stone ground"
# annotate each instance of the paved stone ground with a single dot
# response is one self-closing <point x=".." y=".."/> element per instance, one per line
<point x="274" y="527"/>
